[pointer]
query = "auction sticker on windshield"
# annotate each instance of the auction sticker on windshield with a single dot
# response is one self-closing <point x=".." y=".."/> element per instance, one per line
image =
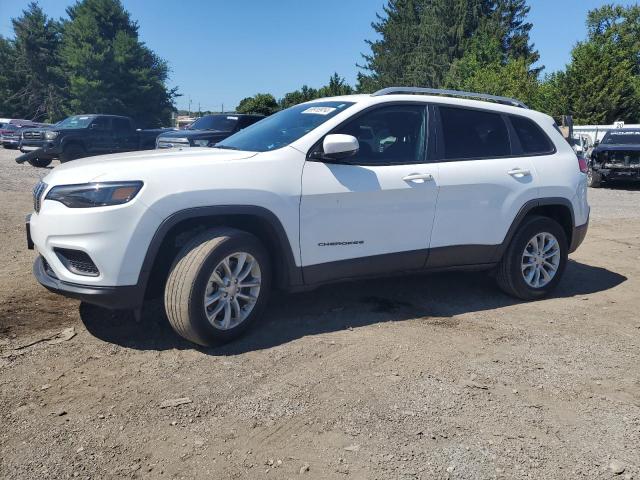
<point x="319" y="110"/>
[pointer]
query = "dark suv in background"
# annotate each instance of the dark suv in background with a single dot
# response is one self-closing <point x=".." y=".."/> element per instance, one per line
<point x="616" y="157"/>
<point x="207" y="131"/>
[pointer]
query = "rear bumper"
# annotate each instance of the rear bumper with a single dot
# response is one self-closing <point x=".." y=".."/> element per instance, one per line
<point x="115" y="298"/>
<point x="579" y="233"/>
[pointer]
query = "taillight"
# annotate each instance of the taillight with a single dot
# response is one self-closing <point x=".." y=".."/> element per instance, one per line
<point x="583" y="165"/>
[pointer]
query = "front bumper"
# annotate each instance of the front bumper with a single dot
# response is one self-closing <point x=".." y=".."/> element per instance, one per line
<point x="619" y="173"/>
<point x="45" y="149"/>
<point x="115" y="298"/>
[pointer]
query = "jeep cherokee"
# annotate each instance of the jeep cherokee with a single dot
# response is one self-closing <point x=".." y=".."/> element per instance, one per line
<point x="403" y="180"/>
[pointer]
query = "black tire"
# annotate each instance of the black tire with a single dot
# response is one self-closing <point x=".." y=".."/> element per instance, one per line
<point x="40" y="162"/>
<point x="72" y="152"/>
<point x="189" y="278"/>
<point x="509" y="275"/>
<point x="594" y="179"/>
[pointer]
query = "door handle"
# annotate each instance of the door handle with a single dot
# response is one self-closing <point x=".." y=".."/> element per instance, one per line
<point x="519" y="172"/>
<point x="418" y="176"/>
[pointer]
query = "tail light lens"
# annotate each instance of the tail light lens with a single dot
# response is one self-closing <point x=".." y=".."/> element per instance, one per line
<point x="583" y="165"/>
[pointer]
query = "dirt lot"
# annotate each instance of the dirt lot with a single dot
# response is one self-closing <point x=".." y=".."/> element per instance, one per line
<point x="430" y="377"/>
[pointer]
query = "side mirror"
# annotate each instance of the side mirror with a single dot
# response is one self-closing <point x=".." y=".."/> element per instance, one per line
<point x="596" y="143"/>
<point x="338" y="146"/>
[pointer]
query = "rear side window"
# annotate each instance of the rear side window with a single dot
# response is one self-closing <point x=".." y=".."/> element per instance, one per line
<point x="121" y="125"/>
<point x="532" y="139"/>
<point x="473" y="134"/>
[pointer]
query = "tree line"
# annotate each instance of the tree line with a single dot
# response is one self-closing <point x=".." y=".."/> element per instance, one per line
<point x="485" y="46"/>
<point x="91" y="62"/>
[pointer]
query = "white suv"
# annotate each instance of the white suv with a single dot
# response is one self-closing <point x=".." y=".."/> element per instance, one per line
<point x="404" y="180"/>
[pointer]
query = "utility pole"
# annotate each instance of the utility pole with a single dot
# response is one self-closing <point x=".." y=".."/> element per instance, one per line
<point x="189" y="106"/>
<point x="222" y="111"/>
<point x="199" y="111"/>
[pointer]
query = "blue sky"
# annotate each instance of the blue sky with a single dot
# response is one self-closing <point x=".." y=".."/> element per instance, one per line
<point x="222" y="51"/>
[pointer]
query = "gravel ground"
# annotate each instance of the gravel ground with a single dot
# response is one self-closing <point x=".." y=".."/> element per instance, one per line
<point x="426" y="377"/>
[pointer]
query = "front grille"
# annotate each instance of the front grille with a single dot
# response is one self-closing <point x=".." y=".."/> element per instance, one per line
<point x="77" y="261"/>
<point x="38" y="190"/>
<point x="32" y="135"/>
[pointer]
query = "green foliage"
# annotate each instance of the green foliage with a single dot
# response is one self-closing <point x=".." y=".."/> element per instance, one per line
<point x="109" y="69"/>
<point x="31" y="78"/>
<point x="263" y="103"/>
<point x="421" y="41"/>
<point x="266" y="104"/>
<point x="603" y="78"/>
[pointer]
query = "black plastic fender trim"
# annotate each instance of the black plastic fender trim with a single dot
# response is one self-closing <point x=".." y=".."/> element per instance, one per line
<point x="292" y="271"/>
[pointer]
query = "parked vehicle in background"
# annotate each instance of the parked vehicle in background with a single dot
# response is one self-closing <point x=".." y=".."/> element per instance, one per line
<point x="207" y="131"/>
<point x="297" y="200"/>
<point x="616" y="157"/>
<point x="82" y="136"/>
<point x="582" y="144"/>
<point x="11" y="132"/>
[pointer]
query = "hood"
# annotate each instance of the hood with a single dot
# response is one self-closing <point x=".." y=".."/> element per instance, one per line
<point x="134" y="165"/>
<point x="193" y="134"/>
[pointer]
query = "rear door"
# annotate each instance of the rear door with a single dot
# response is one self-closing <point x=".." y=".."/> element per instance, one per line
<point x="373" y="212"/>
<point x="100" y="139"/>
<point x="125" y="138"/>
<point x="484" y="180"/>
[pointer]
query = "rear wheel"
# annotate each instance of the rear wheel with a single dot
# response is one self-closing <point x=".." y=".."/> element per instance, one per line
<point x="534" y="263"/>
<point x="218" y="286"/>
<point x="40" y="162"/>
<point x="72" y="152"/>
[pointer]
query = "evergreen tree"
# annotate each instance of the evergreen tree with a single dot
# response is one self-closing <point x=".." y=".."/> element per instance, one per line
<point x="9" y="83"/>
<point x="109" y="69"/>
<point x="399" y="30"/>
<point x="337" y="86"/>
<point x="37" y="90"/>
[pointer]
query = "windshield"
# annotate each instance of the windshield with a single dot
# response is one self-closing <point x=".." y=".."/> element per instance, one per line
<point x="282" y="128"/>
<point x="626" y="137"/>
<point x="77" y="121"/>
<point x="224" y="123"/>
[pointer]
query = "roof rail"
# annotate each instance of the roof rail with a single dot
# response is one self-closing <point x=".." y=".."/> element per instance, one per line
<point x="449" y="93"/>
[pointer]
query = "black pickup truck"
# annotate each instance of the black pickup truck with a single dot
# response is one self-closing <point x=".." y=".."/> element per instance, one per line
<point x="616" y="157"/>
<point x="82" y="136"/>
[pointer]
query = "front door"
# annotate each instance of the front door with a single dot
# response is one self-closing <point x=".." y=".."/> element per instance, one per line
<point x="372" y="213"/>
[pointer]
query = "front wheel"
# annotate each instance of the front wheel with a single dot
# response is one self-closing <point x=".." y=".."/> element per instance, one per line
<point x="594" y="179"/>
<point x="218" y="286"/>
<point x="39" y="162"/>
<point x="72" y="152"/>
<point x="535" y="260"/>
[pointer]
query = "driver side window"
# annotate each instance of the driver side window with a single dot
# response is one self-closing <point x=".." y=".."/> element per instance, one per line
<point x="389" y="135"/>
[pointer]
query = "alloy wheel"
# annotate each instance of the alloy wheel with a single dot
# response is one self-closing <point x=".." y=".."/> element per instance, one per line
<point x="232" y="290"/>
<point x="540" y="260"/>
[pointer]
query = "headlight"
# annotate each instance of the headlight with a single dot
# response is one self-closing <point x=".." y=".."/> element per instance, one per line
<point x="87" y="195"/>
<point x="50" y="135"/>
<point x="201" y="142"/>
